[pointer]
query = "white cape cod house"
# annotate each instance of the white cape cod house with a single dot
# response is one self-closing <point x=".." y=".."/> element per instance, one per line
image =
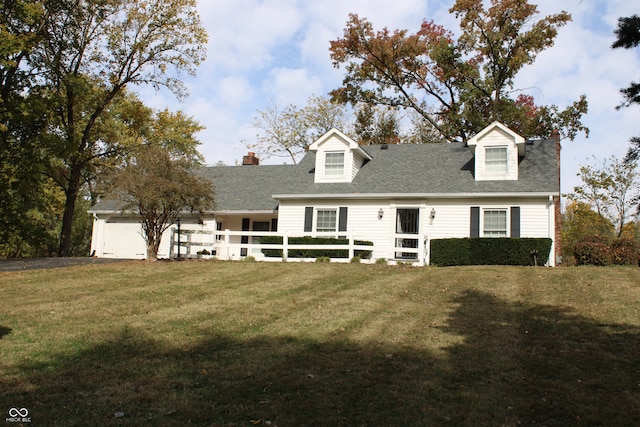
<point x="399" y="197"/>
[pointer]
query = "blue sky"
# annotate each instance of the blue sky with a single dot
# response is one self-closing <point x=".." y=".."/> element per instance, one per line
<point x="266" y="51"/>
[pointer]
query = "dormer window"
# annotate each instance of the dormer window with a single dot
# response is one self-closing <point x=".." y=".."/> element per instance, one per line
<point x="338" y="158"/>
<point x="496" y="160"/>
<point x="334" y="163"/>
<point x="496" y="150"/>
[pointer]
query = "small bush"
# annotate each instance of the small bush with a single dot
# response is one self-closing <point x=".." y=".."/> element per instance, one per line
<point x="601" y="250"/>
<point x="323" y="259"/>
<point x="249" y="259"/>
<point x="382" y="261"/>
<point x="355" y="260"/>
<point x="624" y="251"/>
<point x="592" y="253"/>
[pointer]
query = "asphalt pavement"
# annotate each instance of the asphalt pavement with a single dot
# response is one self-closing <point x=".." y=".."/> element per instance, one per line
<point x="8" y="265"/>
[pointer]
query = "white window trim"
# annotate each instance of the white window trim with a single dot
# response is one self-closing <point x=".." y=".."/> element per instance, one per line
<point x="495" y="209"/>
<point x="493" y="162"/>
<point x="334" y="172"/>
<point x="315" y="219"/>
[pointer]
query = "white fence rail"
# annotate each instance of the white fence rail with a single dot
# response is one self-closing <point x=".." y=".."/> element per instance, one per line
<point x="235" y="245"/>
<point x="229" y="245"/>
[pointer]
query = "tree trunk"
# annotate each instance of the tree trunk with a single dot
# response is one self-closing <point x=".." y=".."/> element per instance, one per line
<point x="73" y="189"/>
<point x="152" y="252"/>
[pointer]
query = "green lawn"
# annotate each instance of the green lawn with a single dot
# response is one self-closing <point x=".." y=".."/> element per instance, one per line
<point x="288" y="344"/>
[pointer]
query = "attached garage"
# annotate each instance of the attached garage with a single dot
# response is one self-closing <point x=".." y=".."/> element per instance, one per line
<point x="122" y="238"/>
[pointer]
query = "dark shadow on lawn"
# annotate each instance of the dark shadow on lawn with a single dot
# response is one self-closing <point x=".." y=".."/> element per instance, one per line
<point x="4" y="331"/>
<point x="514" y="365"/>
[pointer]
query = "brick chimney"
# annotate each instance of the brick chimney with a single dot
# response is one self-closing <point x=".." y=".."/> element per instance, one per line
<point x="250" y="159"/>
<point x="555" y="137"/>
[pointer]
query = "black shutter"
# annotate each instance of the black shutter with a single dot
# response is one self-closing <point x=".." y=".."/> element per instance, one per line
<point x="274" y="224"/>
<point x="308" y="219"/>
<point x="515" y="222"/>
<point x="475" y="222"/>
<point x="342" y="219"/>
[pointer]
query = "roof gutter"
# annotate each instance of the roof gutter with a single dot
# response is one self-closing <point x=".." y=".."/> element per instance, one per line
<point x="362" y="196"/>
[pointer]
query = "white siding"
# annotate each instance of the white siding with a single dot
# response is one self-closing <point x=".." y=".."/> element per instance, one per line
<point x="535" y="220"/>
<point x="452" y="218"/>
<point x="362" y="221"/>
<point x="357" y="164"/>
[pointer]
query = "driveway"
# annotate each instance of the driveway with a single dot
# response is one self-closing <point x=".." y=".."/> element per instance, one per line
<point x="44" y="263"/>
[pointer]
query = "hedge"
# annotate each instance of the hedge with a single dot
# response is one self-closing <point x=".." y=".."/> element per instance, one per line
<point x="314" y="253"/>
<point x="490" y="251"/>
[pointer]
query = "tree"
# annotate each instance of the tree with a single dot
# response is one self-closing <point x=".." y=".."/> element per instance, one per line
<point x="456" y="86"/>
<point x="160" y="187"/>
<point x="579" y="221"/>
<point x="613" y="191"/>
<point x="376" y="125"/>
<point x="628" y="37"/>
<point x="94" y="50"/>
<point x="25" y="197"/>
<point x="289" y="131"/>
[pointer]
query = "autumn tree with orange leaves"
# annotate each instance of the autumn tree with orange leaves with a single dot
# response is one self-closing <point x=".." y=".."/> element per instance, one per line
<point x="457" y="85"/>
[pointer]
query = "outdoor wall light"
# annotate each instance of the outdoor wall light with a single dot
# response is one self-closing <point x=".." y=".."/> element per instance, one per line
<point x="433" y="214"/>
<point x="380" y="213"/>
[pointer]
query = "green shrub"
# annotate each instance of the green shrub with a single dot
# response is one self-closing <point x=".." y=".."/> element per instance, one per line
<point x="314" y="253"/>
<point x="323" y="259"/>
<point x="382" y="261"/>
<point x="490" y="251"/>
<point x="355" y="260"/>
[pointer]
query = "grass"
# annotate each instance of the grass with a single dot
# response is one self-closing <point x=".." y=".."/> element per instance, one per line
<point x="289" y="344"/>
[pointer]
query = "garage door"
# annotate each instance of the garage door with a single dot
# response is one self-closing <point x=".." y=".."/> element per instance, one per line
<point x="123" y="239"/>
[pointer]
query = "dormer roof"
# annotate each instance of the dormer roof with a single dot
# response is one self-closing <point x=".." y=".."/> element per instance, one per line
<point x="350" y="143"/>
<point x="518" y="140"/>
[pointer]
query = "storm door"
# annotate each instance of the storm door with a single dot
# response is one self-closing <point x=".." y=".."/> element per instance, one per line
<point x="407" y="229"/>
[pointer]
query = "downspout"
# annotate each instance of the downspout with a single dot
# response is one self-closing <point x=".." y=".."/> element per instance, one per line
<point x="557" y="232"/>
<point x="551" y="233"/>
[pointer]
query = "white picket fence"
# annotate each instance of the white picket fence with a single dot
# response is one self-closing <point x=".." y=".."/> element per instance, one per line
<point x="227" y="245"/>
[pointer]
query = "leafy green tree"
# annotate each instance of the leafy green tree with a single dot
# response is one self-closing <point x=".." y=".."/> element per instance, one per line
<point x="160" y="186"/>
<point x="25" y="195"/>
<point x="613" y="191"/>
<point x="628" y="37"/>
<point x="456" y="86"/>
<point x="94" y="50"/>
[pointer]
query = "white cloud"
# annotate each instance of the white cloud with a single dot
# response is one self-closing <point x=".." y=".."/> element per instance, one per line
<point x="243" y="33"/>
<point x="235" y="92"/>
<point x="291" y="86"/>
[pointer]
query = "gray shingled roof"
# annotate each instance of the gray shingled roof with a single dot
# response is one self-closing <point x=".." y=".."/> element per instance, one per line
<point x="400" y="169"/>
